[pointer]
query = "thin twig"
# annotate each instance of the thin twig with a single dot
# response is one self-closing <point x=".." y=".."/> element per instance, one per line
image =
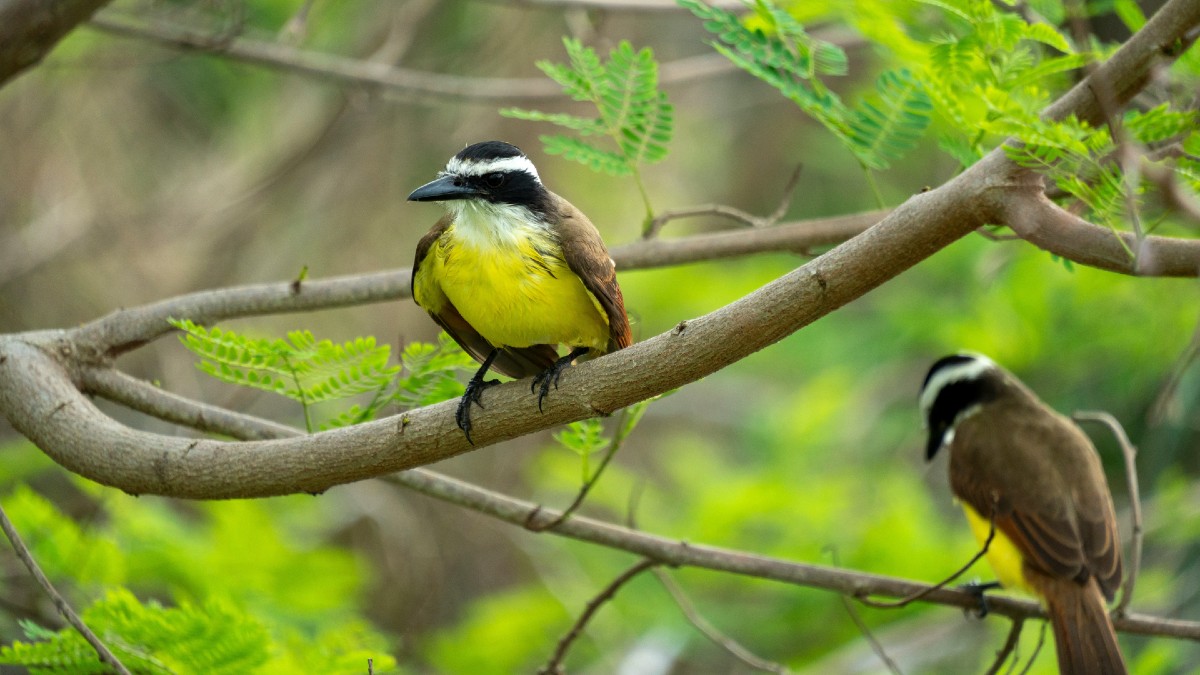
<point x="1125" y="151"/>
<point x="1176" y="198"/>
<point x="688" y="608"/>
<point x="1010" y="644"/>
<point x="1037" y="649"/>
<point x="60" y="603"/>
<point x="876" y="646"/>
<point x="554" y="665"/>
<point x="730" y="212"/>
<point x="356" y="72"/>
<point x="894" y="604"/>
<point x="863" y="628"/>
<point x="1135" y="500"/>
<point x="1160" y="410"/>
<point x="615" y="444"/>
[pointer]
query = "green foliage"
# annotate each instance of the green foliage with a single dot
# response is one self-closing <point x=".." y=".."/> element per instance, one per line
<point x="310" y="371"/>
<point x="301" y="367"/>
<point x="232" y="612"/>
<point x="977" y="71"/>
<point x="775" y="48"/>
<point x="586" y="437"/>
<point x="631" y="110"/>
<point x="430" y="372"/>
<point x="886" y="128"/>
<point x="213" y="637"/>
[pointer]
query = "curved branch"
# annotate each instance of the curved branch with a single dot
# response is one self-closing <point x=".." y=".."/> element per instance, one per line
<point x="1048" y="226"/>
<point x="41" y="384"/>
<point x="90" y="443"/>
<point x="29" y="29"/>
<point x="144" y="397"/>
<point x="347" y="70"/>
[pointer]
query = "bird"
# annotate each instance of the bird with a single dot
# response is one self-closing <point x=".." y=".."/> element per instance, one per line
<point x="512" y="271"/>
<point x="1032" y="479"/>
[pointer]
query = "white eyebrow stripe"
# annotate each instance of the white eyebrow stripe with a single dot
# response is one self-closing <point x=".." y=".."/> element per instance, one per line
<point x="956" y="373"/>
<point x="460" y="167"/>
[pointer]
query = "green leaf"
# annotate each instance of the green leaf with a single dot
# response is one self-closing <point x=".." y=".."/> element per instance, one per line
<point x="211" y="637"/>
<point x="631" y="110"/>
<point x="585" y="126"/>
<point x="886" y="128"/>
<point x="604" y="161"/>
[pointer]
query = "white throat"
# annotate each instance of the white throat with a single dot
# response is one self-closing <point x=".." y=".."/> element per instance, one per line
<point x="483" y="224"/>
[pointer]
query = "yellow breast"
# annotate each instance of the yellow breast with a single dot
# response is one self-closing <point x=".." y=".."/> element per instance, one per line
<point x="1002" y="553"/>
<point x="511" y="284"/>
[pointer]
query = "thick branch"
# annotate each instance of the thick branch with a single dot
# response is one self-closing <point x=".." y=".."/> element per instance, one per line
<point x="1048" y="226"/>
<point x="41" y="384"/>
<point x="41" y="392"/>
<point x="29" y="29"/>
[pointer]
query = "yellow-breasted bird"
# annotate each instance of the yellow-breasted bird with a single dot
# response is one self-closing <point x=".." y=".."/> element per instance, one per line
<point x="1021" y="467"/>
<point x="512" y="271"/>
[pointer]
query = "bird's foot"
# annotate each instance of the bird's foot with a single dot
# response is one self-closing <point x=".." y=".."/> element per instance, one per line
<point x="979" y="590"/>
<point x="541" y="381"/>
<point x="473" y="394"/>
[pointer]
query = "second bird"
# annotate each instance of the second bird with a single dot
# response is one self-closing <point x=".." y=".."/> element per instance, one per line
<point x="512" y="271"/>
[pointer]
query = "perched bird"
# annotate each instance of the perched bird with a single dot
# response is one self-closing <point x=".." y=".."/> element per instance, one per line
<point x="1031" y="473"/>
<point x="512" y="271"/>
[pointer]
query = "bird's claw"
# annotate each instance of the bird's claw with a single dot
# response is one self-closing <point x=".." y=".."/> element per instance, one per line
<point x="979" y="590"/>
<point x="473" y="394"/>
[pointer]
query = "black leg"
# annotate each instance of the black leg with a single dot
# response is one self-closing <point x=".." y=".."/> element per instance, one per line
<point x="979" y="590"/>
<point x="474" y="394"/>
<point x="543" y="379"/>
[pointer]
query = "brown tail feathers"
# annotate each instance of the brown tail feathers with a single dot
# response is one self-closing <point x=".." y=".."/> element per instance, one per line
<point x="1083" y="632"/>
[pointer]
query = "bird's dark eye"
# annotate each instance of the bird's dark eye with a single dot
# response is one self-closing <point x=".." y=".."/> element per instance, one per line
<point x="493" y="180"/>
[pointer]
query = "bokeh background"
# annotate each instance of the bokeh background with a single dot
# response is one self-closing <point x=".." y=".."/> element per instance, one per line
<point x="135" y="171"/>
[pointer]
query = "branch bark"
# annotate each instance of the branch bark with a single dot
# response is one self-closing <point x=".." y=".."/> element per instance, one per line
<point x="144" y="397"/>
<point x="43" y="399"/>
<point x="29" y="29"/>
<point x="352" y="71"/>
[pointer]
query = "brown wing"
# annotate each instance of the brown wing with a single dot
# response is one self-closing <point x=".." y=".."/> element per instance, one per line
<point x="513" y="362"/>
<point x="1041" y="478"/>
<point x="588" y="258"/>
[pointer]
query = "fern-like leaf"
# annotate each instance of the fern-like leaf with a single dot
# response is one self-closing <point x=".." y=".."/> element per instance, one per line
<point x="430" y="373"/>
<point x="213" y="637"/>
<point x="302" y="368"/>
<point x="631" y="110"/>
<point x="886" y="128"/>
<point x="1160" y="123"/>
<point x="597" y="159"/>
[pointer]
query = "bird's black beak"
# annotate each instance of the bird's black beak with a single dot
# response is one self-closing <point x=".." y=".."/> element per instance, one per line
<point x="444" y="189"/>
<point x="937" y="435"/>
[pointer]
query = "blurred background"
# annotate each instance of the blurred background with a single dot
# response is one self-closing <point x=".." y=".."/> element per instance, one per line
<point x="135" y="171"/>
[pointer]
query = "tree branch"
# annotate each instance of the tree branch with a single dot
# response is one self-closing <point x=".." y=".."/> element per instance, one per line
<point x="60" y="603"/>
<point x="352" y="71"/>
<point x="127" y="329"/>
<point x="29" y="29"/>
<point x="1048" y="226"/>
<point x="42" y="369"/>
<point x="146" y="398"/>
<point x="555" y="665"/>
<point x="682" y="553"/>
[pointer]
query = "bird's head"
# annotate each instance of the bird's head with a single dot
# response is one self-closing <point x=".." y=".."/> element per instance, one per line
<point x="956" y="387"/>
<point x="494" y="172"/>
